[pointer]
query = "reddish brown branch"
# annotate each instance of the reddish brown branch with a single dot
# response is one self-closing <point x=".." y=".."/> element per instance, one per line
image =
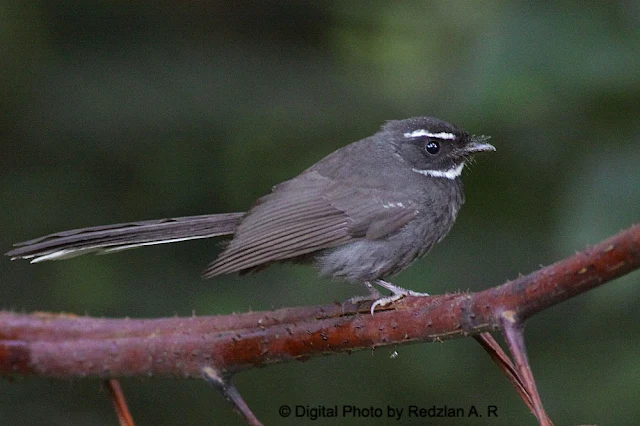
<point x="503" y="362"/>
<point x="119" y="402"/>
<point x="223" y="384"/>
<point x="70" y="346"/>
<point x="513" y="333"/>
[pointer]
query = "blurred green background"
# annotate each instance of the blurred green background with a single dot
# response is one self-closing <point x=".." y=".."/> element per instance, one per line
<point x="120" y="111"/>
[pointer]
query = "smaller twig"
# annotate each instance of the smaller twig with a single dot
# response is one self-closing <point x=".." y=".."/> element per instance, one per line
<point x="512" y="328"/>
<point x="503" y="362"/>
<point x="223" y="384"/>
<point x="119" y="402"/>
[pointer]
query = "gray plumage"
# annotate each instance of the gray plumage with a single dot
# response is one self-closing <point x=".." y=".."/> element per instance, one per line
<point x="122" y="236"/>
<point x="362" y="213"/>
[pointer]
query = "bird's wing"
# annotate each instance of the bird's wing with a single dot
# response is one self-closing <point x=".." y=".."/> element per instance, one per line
<point x="310" y="213"/>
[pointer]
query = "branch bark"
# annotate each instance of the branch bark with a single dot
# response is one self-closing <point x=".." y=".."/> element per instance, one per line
<point x="60" y="345"/>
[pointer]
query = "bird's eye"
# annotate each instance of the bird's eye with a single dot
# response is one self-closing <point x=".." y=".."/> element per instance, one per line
<point x="432" y="147"/>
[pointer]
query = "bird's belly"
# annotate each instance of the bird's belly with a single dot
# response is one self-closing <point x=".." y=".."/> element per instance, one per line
<point x="369" y="260"/>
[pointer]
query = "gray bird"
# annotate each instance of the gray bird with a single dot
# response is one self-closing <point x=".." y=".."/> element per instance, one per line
<point x="361" y="214"/>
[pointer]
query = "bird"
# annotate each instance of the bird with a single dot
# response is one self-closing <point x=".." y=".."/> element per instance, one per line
<point x="361" y="214"/>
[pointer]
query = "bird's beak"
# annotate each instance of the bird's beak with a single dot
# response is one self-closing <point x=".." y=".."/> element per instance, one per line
<point x="478" y="144"/>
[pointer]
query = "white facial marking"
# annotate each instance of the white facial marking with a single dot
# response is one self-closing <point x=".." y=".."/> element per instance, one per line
<point x="422" y="132"/>
<point x="449" y="173"/>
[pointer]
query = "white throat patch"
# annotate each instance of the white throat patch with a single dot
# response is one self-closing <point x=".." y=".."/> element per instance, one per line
<point x="448" y="174"/>
<point x="422" y="132"/>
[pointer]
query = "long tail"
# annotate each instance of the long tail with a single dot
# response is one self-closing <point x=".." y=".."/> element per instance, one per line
<point x="122" y="236"/>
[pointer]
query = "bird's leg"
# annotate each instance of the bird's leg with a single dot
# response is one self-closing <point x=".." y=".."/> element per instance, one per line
<point x="398" y="293"/>
<point x="374" y="294"/>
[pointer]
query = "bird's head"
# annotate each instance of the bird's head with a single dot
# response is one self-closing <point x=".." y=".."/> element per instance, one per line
<point x="433" y="147"/>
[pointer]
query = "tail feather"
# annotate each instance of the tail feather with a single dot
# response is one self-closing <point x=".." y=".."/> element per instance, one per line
<point x="122" y="236"/>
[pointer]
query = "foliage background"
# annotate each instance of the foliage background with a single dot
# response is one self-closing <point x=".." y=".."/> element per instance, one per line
<point x="119" y="111"/>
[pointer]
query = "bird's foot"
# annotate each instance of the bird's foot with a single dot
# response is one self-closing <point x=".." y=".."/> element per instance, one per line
<point x="398" y="293"/>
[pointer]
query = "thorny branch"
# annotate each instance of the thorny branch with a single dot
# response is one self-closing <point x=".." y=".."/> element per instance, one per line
<point x="68" y="346"/>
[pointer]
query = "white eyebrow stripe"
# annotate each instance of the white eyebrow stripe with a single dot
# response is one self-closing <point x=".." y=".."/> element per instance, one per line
<point x="422" y="132"/>
<point x="449" y="173"/>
